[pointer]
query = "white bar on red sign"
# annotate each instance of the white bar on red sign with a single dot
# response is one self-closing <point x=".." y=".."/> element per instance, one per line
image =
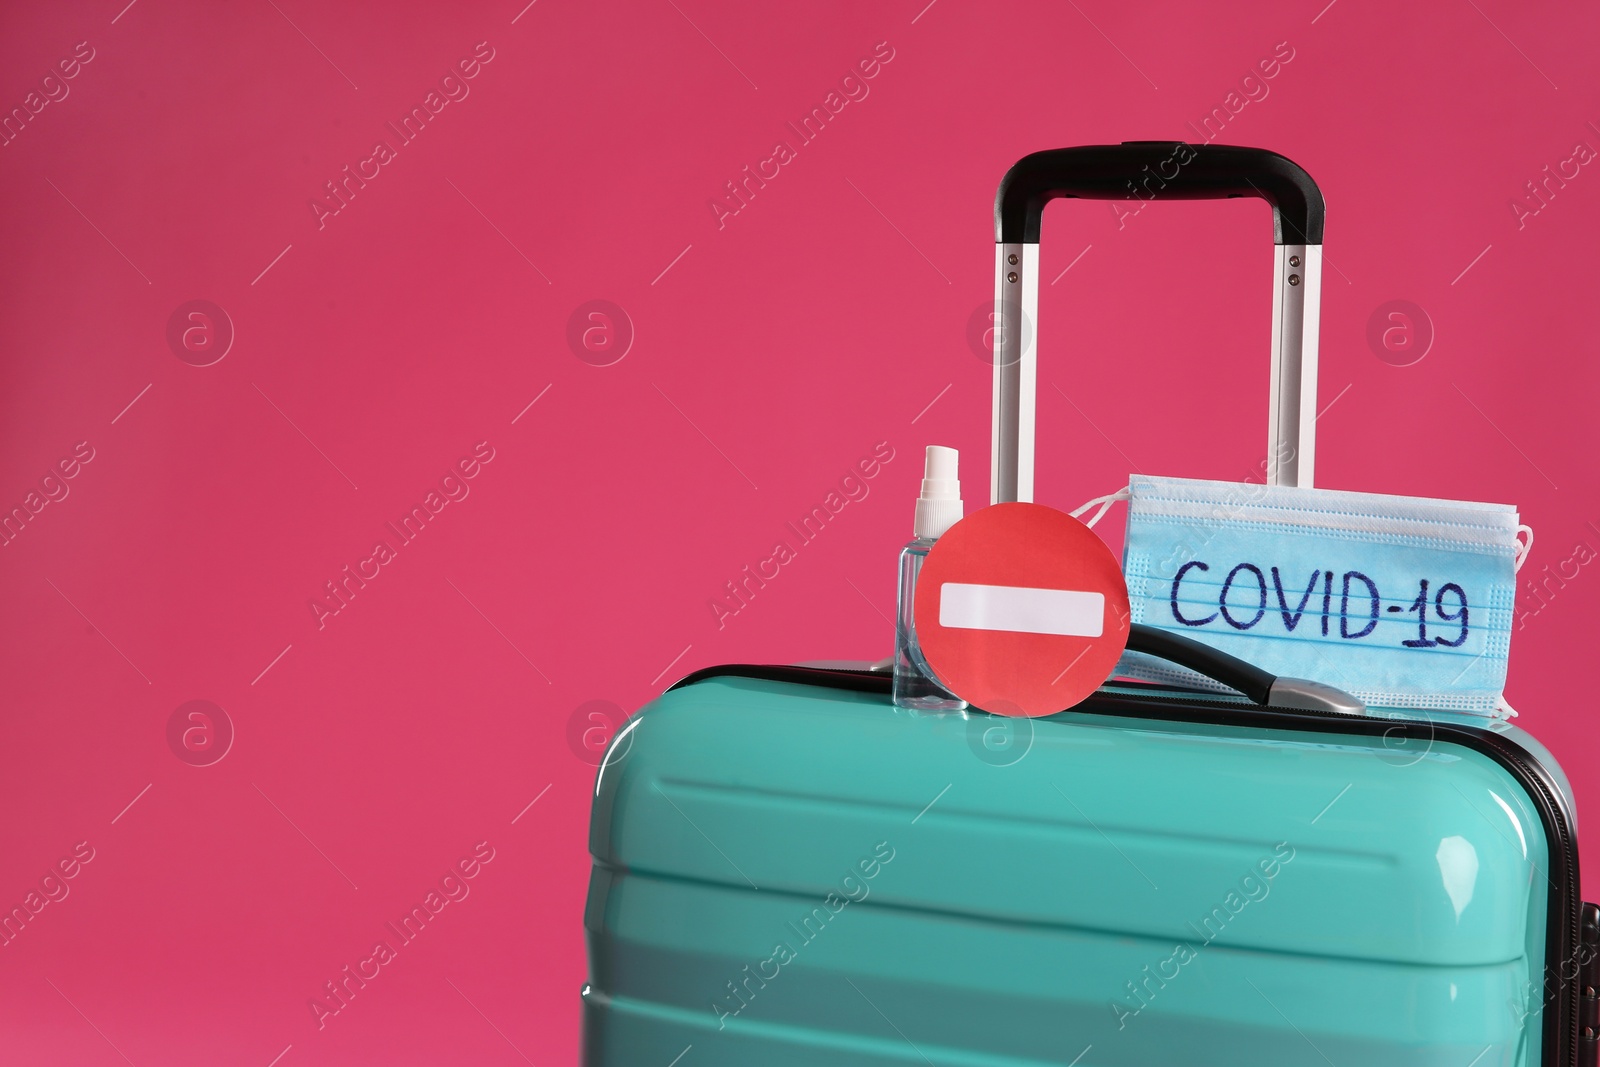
<point x="1021" y="610"/>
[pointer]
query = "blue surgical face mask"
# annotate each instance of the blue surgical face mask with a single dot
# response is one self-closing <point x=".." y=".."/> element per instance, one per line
<point x="1404" y="602"/>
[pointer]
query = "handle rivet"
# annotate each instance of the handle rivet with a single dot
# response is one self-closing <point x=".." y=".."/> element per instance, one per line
<point x="1011" y="277"/>
<point x="1294" y="279"/>
<point x="1012" y="259"/>
<point x="1294" y="261"/>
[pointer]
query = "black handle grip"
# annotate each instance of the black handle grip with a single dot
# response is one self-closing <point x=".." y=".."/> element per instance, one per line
<point x="1265" y="689"/>
<point x="1261" y="687"/>
<point x="1154" y="170"/>
<point x="1231" y="671"/>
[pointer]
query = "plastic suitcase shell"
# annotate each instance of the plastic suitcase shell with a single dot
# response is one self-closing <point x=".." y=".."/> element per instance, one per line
<point x="1035" y="909"/>
<point x="789" y="870"/>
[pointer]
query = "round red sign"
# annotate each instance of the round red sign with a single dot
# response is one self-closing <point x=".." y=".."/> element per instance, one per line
<point x="1021" y="610"/>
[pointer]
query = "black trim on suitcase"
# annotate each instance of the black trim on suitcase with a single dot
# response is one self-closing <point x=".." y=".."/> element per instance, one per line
<point x="1231" y="671"/>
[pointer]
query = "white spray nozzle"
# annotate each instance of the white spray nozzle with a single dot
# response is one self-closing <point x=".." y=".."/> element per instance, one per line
<point x="939" y="507"/>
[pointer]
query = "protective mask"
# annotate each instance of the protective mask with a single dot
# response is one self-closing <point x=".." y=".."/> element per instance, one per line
<point x="1405" y="602"/>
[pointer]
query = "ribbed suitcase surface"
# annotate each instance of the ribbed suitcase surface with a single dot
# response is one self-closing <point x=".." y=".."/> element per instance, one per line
<point x="796" y="874"/>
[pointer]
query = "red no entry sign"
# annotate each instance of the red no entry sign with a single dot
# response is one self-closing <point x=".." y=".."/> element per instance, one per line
<point x="1021" y="610"/>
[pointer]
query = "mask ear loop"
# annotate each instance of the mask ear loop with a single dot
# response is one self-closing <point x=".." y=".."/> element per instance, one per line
<point x="1503" y="708"/>
<point x="1523" y="548"/>
<point x="1104" y="503"/>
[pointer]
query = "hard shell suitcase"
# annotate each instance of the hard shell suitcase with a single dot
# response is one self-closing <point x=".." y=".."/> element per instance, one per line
<point x="788" y="870"/>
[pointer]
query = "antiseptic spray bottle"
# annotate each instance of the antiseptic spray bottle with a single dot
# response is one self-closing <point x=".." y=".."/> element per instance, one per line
<point x="938" y="508"/>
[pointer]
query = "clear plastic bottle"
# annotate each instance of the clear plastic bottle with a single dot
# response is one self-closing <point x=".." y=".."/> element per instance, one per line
<point x="939" y="507"/>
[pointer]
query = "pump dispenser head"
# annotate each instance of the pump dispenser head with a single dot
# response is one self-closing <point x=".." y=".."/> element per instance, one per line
<point x="939" y="507"/>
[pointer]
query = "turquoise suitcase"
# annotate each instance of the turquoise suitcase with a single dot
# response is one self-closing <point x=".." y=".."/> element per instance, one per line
<point x="788" y="870"/>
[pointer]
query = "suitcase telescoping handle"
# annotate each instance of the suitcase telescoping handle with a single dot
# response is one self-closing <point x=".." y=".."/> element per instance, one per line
<point x="1155" y="170"/>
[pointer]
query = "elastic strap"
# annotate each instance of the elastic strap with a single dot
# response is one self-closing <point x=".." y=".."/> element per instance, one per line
<point x="1104" y="503"/>
<point x="1523" y="548"/>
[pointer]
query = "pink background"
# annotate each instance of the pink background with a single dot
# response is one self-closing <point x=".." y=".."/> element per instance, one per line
<point x="771" y="354"/>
